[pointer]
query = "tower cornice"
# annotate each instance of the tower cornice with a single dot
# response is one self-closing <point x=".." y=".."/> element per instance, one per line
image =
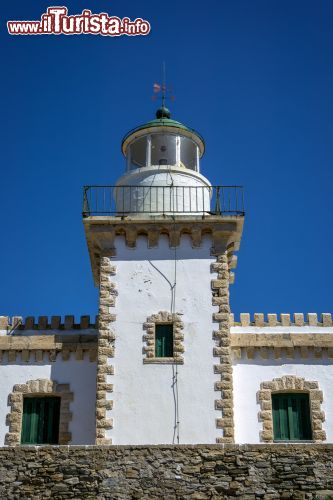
<point x="101" y="231"/>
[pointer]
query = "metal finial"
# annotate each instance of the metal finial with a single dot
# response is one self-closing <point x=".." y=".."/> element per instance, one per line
<point x="163" y="111"/>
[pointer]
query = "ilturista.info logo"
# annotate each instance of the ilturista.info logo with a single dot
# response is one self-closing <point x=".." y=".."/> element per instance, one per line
<point x="56" y="21"/>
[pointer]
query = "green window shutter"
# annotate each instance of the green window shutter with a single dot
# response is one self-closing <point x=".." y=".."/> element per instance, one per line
<point x="291" y="417"/>
<point x="40" y="422"/>
<point x="164" y="341"/>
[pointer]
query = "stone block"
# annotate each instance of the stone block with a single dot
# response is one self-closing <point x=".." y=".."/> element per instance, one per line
<point x="3" y="322"/>
<point x="299" y="319"/>
<point x="319" y="435"/>
<point x="277" y="352"/>
<point x="221" y="317"/>
<point x="265" y="415"/>
<point x="69" y="322"/>
<point x="218" y="284"/>
<point x="84" y="322"/>
<point x="264" y="395"/>
<point x="25" y="356"/>
<point x="12" y="356"/>
<point x="55" y="322"/>
<point x="326" y="319"/>
<point x="245" y="319"/>
<point x="266" y="435"/>
<point x="312" y="319"/>
<point x="250" y="352"/>
<point x="285" y="319"/>
<point x="42" y="322"/>
<point x="272" y="319"/>
<point x="65" y="354"/>
<point x="259" y="319"/>
<point x="317" y="395"/>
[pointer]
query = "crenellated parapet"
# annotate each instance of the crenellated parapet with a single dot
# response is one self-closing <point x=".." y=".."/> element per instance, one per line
<point x="31" y="340"/>
<point x="282" y="336"/>
<point x="18" y="323"/>
<point x="296" y="319"/>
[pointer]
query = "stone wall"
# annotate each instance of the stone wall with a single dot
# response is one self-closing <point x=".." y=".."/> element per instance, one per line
<point x="168" y="472"/>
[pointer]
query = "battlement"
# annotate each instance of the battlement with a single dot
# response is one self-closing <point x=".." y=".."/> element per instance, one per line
<point x="296" y="319"/>
<point x="17" y="323"/>
<point x="86" y="322"/>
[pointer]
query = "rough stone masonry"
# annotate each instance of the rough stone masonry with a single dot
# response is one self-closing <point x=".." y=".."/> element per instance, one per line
<point x="198" y="472"/>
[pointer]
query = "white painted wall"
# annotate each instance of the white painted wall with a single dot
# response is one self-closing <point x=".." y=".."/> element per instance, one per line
<point x="144" y="405"/>
<point x="147" y="195"/>
<point x="81" y="375"/>
<point x="248" y="375"/>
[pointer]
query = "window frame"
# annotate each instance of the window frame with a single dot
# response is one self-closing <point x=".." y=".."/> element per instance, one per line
<point x="149" y="138"/>
<point x="290" y="383"/>
<point x="290" y="424"/>
<point x="34" y="424"/>
<point x="157" y="347"/>
<point x="149" y="350"/>
<point x="38" y="387"/>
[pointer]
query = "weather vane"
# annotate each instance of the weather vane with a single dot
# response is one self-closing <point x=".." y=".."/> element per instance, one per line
<point x="166" y="92"/>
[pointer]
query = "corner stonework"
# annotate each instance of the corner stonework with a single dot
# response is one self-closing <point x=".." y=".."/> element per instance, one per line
<point x="39" y="387"/>
<point x="290" y="383"/>
<point x="220" y="290"/>
<point x="105" y="349"/>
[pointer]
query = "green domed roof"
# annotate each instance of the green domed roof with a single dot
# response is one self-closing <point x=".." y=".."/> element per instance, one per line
<point x="163" y="120"/>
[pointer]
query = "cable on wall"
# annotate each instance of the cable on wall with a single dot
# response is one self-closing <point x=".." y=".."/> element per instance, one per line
<point x="175" y="375"/>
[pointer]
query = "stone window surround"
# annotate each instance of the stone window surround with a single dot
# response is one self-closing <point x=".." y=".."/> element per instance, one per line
<point x="38" y="387"/>
<point x="164" y="317"/>
<point x="289" y="384"/>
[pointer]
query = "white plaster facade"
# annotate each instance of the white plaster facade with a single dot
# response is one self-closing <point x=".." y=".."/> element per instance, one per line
<point x="145" y="401"/>
<point x="80" y="375"/>
<point x="249" y="374"/>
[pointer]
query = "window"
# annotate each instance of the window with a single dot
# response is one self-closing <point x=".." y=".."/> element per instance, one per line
<point x="164" y="340"/>
<point x="137" y="155"/>
<point x="291" y="417"/>
<point x="188" y="153"/>
<point x="163" y="149"/>
<point x="40" y="422"/>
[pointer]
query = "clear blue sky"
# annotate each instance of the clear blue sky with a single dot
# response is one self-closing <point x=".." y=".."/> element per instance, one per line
<point x="255" y="78"/>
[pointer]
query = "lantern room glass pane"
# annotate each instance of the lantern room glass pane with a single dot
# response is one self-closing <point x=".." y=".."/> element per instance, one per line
<point x="138" y="151"/>
<point x="188" y="153"/>
<point x="163" y="149"/>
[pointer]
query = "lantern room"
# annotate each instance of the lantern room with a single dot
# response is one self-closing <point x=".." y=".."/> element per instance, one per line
<point x="162" y="172"/>
<point x="163" y="142"/>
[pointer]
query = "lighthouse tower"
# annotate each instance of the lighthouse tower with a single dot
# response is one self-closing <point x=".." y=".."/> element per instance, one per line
<point x="161" y="244"/>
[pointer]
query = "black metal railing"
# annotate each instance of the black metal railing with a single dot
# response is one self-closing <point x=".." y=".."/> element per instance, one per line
<point x="124" y="200"/>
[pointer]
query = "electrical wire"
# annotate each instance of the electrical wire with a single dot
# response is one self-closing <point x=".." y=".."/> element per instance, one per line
<point x="176" y="434"/>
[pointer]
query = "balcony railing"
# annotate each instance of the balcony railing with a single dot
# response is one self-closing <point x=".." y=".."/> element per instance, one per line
<point x="195" y="200"/>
